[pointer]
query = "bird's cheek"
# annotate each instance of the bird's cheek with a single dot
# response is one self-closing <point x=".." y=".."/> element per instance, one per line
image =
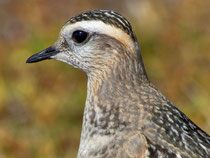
<point x="62" y="56"/>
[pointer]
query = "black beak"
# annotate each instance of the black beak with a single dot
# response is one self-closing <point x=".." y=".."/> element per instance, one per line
<point x="45" y="54"/>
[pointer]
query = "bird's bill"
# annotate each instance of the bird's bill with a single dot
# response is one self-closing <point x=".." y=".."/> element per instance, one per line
<point x="45" y="54"/>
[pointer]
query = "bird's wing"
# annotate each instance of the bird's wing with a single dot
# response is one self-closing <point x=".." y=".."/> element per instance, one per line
<point x="140" y="146"/>
<point x="172" y="133"/>
<point x="136" y="146"/>
<point x="165" y="150"/>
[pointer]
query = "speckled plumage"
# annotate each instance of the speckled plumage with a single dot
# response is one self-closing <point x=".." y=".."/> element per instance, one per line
<point x="125" y="116"/>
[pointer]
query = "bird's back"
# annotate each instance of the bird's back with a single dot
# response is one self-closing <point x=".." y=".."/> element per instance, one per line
<point x="169" y="132"/>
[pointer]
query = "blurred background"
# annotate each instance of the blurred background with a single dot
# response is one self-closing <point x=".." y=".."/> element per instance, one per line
<point x="41" y="105"/>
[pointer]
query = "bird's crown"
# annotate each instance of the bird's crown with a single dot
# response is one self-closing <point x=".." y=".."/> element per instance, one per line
<point x="107" y="17"/>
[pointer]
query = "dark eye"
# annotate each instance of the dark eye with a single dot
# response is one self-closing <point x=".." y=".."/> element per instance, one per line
<point x="79" y="36"/>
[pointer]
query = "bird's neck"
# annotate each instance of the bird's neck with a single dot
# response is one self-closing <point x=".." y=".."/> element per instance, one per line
<point x="109" y="90"/>
<point x="108" y="110"/>
<point x="125" y="73"/>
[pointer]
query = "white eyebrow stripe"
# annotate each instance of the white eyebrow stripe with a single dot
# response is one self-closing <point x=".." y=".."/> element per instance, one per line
<point x="101" y="27"/>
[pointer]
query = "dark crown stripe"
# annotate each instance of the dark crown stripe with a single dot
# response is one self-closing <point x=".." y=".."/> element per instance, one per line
<point x="108" y="17"/>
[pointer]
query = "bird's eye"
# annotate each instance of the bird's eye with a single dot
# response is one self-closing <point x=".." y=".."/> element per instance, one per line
<point x="79" y="36"/>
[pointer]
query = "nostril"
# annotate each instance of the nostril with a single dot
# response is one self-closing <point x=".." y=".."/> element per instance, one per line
<point x="51" y="49"/>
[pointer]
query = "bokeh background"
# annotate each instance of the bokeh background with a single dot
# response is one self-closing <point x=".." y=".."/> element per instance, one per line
<point x="41" y="105"/>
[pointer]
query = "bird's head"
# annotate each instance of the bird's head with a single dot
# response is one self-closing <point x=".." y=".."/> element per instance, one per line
<point x="92" y="41"/>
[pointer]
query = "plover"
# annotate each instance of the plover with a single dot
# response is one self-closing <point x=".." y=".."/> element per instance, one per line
<point x="125" y="115"/>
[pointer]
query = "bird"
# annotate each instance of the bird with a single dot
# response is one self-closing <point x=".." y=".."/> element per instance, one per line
<point x="125" y="115"/>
